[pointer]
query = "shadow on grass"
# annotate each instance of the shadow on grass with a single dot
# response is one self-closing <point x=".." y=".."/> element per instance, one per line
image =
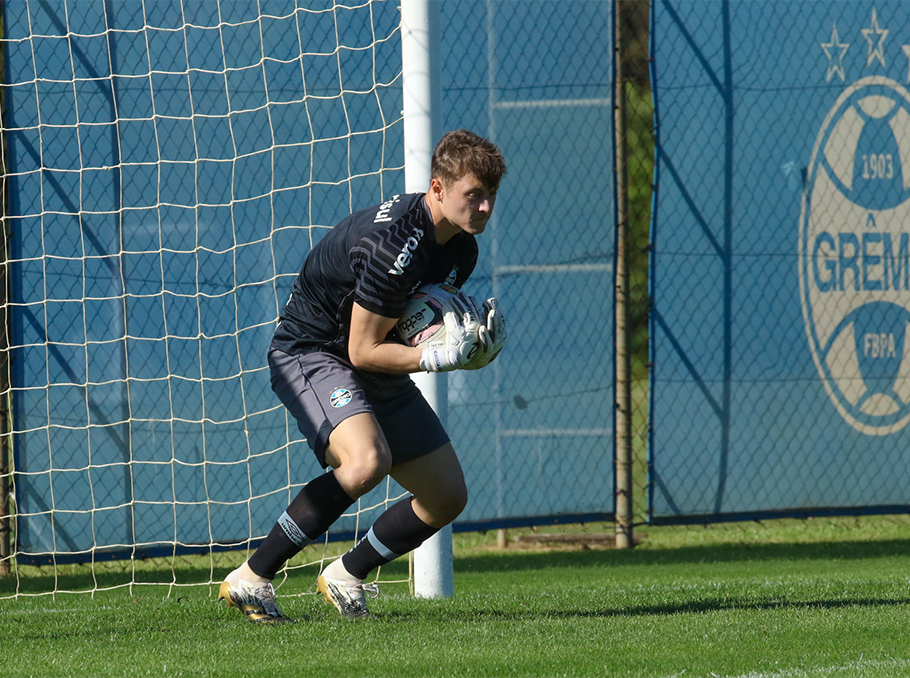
<point x="712" y="553"/>
<point x="160" y="621"/>
<point x="707" y="605"/>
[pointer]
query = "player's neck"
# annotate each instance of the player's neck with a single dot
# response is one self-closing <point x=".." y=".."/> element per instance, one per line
<point x="445" y="229"/>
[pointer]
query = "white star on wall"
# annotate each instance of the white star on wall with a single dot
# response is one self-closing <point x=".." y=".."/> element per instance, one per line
<point x="831" y="49"/>
<point x="876" y="51"/>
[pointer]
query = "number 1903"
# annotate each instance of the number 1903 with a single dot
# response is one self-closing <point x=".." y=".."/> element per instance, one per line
<point x="878" y="166"/>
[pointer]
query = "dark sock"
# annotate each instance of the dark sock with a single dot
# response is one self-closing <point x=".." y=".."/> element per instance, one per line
<point x="395" y="532"/>
<point x="319" y="504"/>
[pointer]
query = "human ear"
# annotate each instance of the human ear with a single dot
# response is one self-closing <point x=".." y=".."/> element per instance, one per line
<point x="436" y="188"/>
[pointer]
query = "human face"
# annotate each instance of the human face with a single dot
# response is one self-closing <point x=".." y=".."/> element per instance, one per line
<point x="466" y="205"/>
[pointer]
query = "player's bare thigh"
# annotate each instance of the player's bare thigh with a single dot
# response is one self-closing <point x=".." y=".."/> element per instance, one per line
<point x="359" y="453"/>
<point x="437" y="482"/>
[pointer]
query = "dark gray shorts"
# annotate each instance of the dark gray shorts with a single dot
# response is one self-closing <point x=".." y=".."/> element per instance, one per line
<point x="321" y="390"/>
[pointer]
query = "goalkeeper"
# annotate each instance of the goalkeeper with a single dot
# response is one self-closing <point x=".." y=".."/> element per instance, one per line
<point x="337" y="369"/>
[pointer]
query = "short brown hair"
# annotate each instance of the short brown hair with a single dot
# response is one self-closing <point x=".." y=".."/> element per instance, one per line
<point x="462" y="153"/>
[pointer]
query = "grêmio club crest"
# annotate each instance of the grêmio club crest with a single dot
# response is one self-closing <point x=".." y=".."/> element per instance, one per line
<point x="854" y="229"/>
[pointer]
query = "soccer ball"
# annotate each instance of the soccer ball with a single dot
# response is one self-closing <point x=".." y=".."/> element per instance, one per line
<point x="422" y="322"/>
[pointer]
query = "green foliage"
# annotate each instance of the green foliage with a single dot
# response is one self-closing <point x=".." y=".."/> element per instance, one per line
<point x="640" y="164"/>
<point x="793" y="598"/>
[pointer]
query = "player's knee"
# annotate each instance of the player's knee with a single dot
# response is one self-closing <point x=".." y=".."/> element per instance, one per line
<point x="360" y="473"/>
<point x="371" y="468"/>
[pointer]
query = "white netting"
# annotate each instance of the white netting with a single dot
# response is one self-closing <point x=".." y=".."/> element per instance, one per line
<point x="170" y="164"/>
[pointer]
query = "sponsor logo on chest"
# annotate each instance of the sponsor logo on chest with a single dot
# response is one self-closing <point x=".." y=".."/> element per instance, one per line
<point x="407" y="252"/>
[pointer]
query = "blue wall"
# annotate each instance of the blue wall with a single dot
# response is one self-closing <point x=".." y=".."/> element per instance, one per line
<point x="780" y="383"/>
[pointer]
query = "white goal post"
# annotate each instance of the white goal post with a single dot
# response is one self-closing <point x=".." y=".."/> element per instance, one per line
<point x="422" y="98"/>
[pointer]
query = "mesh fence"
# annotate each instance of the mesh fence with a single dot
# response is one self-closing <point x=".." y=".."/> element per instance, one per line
<point x="780" y="254"/>
<point x="170" y="164"/>
<point x="543" y="415"/>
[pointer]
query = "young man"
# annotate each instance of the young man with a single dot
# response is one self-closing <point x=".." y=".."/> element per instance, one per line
<point x="340" y="373"/>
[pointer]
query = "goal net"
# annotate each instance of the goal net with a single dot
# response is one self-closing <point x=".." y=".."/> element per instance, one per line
<point x="168" y="166"/>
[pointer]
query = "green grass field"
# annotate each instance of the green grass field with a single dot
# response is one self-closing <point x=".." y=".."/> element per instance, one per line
<point x="788" y="598"/>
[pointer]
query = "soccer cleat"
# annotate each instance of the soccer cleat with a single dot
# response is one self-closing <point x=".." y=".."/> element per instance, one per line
<point x="256" y="601"/>
<point x="347" y="597"/>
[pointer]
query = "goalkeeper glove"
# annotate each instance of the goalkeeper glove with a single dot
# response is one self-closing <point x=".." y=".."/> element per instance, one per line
<point x="460" y="343"/>
<point x="492" y="335"/>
